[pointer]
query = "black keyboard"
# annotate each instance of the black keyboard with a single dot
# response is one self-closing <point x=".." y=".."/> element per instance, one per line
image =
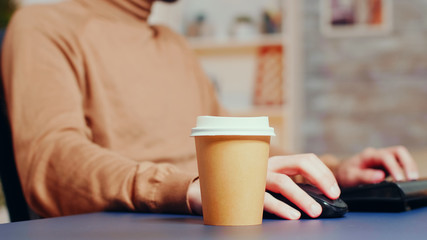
<point x="386" y="196"/>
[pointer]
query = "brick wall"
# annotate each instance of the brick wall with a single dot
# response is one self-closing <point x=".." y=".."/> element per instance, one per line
<point x="366" y="91"/>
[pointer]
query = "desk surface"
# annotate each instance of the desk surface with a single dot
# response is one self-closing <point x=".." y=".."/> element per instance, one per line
<point x="115" y="225"/>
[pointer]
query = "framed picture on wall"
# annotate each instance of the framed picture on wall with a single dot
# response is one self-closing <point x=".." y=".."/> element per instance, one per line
<point x="347" y="18"/>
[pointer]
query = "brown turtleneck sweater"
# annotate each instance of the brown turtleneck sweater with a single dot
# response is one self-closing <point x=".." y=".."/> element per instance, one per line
<point x="101" y="106"/>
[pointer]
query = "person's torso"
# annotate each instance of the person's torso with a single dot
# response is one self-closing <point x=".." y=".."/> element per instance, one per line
<point x="140" y="93"/>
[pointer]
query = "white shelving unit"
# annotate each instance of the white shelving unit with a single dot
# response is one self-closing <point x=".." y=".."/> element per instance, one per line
<point x="231" y="64"/>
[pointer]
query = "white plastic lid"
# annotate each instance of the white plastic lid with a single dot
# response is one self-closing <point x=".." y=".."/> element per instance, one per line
<point x="240" y="126"/>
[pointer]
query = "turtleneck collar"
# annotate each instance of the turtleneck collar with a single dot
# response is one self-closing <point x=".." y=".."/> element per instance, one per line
<point x="121" y="9"/>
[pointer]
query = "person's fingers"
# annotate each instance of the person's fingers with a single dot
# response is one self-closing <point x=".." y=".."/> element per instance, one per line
<point x="383" y="158"/>
<point x="368" y="153"/>
<point x="368" y="176"/>
<point x="391" y="164"/>
<point x="405" y="159"/>
<point x="311" y="167"/>
<point x="279" y="208"/>
<point x="282" y="184"/>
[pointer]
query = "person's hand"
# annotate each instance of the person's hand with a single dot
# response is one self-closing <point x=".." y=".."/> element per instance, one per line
<point x="194" y="197"/>
<point x="373" y="165"/>
<point x="280" y="168"/>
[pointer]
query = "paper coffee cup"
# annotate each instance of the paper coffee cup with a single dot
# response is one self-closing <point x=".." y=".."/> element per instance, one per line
<point x="232" y="156"/>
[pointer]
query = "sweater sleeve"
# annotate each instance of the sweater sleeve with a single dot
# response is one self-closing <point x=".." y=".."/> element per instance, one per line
<point x="61" y="170"/>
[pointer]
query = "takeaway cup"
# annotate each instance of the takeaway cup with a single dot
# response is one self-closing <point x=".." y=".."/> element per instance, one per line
<point x="232" y="156"/>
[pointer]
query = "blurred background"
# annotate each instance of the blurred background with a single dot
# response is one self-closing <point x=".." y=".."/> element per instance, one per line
<point x="334" y="76"/>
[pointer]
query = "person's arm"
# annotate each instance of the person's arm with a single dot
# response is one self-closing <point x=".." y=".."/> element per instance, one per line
<point x="61" y="170"/>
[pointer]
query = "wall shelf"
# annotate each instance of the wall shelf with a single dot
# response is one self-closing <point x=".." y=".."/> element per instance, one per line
<point x="233" y="43"/>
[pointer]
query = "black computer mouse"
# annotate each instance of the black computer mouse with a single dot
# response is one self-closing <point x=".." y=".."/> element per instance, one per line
<point x="330" y="208"/>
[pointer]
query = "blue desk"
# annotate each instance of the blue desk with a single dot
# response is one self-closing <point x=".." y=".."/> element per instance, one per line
<point x="114" y="225"/>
